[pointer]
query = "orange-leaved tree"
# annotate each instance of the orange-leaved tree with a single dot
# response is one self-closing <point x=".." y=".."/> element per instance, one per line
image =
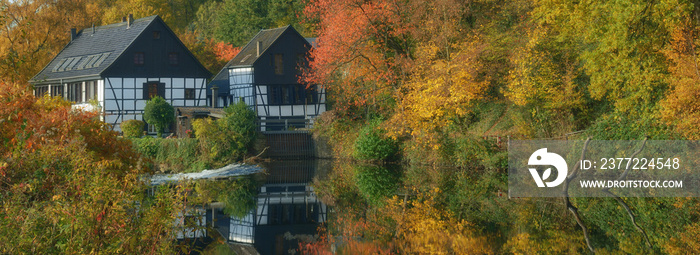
<point x="681" y="107"/>
<point x="32" y="32"/>
<point x="360" y="51"/>
<point x="69" y="185"/>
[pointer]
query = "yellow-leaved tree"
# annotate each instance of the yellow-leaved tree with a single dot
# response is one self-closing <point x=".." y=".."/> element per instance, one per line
<point x="442" y="86"/>
<point x="33" y="31"/>
<point x="423" y="228"/>
<point x="548" y="83"/>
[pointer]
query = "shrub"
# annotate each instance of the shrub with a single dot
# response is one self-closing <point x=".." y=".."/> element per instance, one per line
<point x="211" y="139"/>
<point x="132" y="128"/>
<point x="158" y="113"/>
<point x="239" y="120"/>
<point x="229" y="138"/>
<point x="373" y="144"/>
<point x="175" y="155"/>
<point x="70" y="186"/>
<point x="146" y="146"/>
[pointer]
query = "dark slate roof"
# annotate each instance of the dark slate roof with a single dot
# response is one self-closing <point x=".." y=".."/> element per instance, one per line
<point x="246" y="57"/>
<point x="221" y="81"/>
<point x="89" y="54"/>
<point x="311" y="40"/>
<point x="249" y="52"/>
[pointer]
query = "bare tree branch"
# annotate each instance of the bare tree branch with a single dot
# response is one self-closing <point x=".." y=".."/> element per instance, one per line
<point x="629" y="213"/>
<point x="622" y="202"/>
<point x="569" y="205"/>
<point x="627" y="167"/>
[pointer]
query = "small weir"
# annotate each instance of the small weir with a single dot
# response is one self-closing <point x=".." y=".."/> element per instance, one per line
<point x="289" y="145"/>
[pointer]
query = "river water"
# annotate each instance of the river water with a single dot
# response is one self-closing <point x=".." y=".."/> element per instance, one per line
<point x="286" y="210"/>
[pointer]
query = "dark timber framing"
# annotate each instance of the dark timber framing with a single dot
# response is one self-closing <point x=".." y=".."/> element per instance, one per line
<point x="265" y="75"/>
<point x="106" y="57"/>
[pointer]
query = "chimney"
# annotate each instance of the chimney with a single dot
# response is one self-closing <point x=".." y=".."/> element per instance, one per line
<point x="260" y="48"/>
<point x="93" y="28"/>
<point x="130" y="20"/>
<point x="123" y="19"/>
<point x="73" y="34"/>
<point x="214" y="96"/>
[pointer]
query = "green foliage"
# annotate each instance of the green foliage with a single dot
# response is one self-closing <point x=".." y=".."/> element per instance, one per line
<point x="339" y="189"/>
<point x="218" y="247"/>
<point x="240" y="121"/>
<point x="236" y="22"/>
<point x="377" y="183"/>
<point x="622" y="44"/>
<point x="172" y="155"/>
<point x="374" y="144"/>
<point x="158" y="113"/>
<point x="228" y="139"/>
<point x="627" y="126"/>
<point x="238" y="195"/>
<point x="132" y="128"/>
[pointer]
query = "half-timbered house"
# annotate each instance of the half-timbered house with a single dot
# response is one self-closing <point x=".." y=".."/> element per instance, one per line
<point x="265" y="75"/>
<point x="118" y="67"/>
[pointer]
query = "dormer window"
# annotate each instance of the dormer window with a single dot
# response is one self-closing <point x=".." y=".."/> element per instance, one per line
<point x="138" y="58"/>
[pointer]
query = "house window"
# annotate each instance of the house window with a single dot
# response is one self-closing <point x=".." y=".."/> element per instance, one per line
<point x="156" y="34"/>
<point x="75" y="91"/>
<point x="172" y="58"/>
<point x="279" y="64"/>
<point x="57" y="90"/>
<point x="311" y="95"/>
<point x="301" y="95"/>
<point x="152" y="89"/>
<point x="291" y="94"/>
<point x="41" y="91"/>
<point x="152" y="129"/>
<point x="138" y="58"/>
<point x="91" y="90"/>
<point x="301" y="61"/>
<point x="189" y="93"/>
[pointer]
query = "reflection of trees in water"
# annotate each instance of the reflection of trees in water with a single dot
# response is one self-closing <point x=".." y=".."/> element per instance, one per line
<point x="236" y="195"/>
<point x="377" y="182"/>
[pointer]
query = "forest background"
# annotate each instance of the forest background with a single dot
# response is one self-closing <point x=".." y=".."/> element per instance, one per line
<point x="435" y="83"/>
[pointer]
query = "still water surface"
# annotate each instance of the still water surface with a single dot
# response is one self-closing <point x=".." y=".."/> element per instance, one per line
<point x="287" y="211"/>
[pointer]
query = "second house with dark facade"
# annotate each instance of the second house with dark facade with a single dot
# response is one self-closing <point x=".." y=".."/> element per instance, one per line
<point x="265" y="75"/>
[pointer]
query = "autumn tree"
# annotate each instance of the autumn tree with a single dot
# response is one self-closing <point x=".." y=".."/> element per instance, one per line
<point x="178" y="14"/>
<point x="623" y="43"/>
<point x="32" y="32"/>
<point x="69" y="185"/>
<point x="680" y="107"/>
<point x="548" y="82"/>
<point x="235" y="22"/>
<point x="181" y="17"/>
<point x="361" y="53"/>
<point x="212" y="54"/>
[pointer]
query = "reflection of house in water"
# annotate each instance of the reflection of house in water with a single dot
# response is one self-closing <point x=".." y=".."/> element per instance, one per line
<point x="287" y="209"/>
<point x="192" y="225"/>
